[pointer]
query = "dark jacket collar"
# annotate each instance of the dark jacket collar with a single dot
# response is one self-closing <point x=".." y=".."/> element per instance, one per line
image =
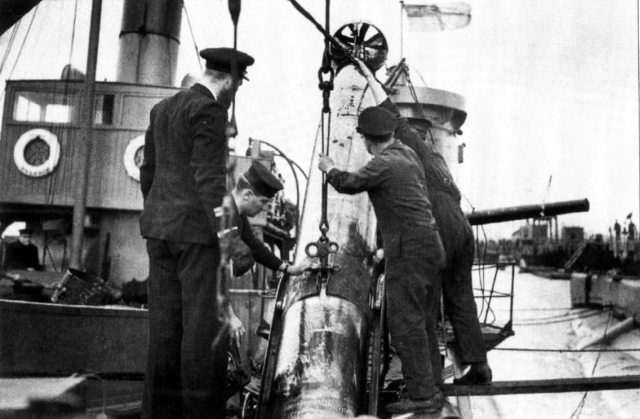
<point x="395" y="144"/>
<point x="202" y="89"/>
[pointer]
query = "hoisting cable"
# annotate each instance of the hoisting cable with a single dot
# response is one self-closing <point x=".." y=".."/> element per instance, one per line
<point x="326" y="86"/>
<point x="323" y="247"/>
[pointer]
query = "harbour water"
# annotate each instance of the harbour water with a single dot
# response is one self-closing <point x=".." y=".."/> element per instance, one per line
<point x="545" y="323"/>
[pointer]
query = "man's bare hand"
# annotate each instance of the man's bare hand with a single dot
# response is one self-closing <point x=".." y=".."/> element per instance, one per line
<point x="378" y="256"/>
<point x="326" y="163"/>
<point x="236" y="330"/>
<point x="300" y="267"/>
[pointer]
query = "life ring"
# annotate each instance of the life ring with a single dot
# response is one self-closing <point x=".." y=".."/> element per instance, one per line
<point x="44" y="168"/>
<point x="130" y="153"/>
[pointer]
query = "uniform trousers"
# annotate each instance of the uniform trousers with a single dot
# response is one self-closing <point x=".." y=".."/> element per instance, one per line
<point x="412" y="284"/>
<point x="457" y="286"/>
<point x="185" y="377"/>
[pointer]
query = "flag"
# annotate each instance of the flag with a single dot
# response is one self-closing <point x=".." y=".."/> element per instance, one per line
<point x="437" y="17"/>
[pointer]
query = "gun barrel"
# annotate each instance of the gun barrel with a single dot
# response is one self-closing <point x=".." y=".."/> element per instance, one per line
<point x="500" y="215"/>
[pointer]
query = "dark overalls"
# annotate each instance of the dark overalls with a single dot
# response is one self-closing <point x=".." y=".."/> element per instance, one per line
<point x="414" y="256"/>
<point x="457" y="239"/>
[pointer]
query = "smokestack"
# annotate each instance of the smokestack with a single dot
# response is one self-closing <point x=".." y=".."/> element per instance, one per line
<point x="149" y="42"/>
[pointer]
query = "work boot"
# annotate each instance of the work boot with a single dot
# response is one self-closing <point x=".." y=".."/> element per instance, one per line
<point x="479" y="373"/>
<point x="432" y="404"/>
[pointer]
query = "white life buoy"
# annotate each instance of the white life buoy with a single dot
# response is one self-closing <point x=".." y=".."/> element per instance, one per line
<point x="130" y="152"/>
<point x="49" y="164"/>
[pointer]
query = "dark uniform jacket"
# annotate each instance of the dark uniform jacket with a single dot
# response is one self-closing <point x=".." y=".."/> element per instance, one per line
<point x="453" y="226"/>
<point x="183" y="174"/>
<point x="435" y="167"/>
<point x="395" y="183"/>
<point x="19" y="256"/>
<point x="260" y="252"/>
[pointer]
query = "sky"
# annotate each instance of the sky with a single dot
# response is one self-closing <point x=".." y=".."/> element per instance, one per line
<point x="551" y="87"/>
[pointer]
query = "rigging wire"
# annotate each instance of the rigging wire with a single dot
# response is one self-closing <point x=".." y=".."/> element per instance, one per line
<point x="481" y="267"/>
<point x="489" y="308"/>
<point x="401" y="28"/>
<point x="412" y="90"/>
<point x="184" y="6"/>
<point x="24" y="40"/>
<point x="9" y="44"/>
<point x="73" y="31"/>
<point x="49" y="198"/>
<point x="420" y="75"/>
<point x="290" y="161"/>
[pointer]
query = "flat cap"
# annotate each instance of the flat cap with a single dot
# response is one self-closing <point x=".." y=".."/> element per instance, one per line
<point x="220" y="59"/>
<point x="28" y="231"/>
<point x="376" y="122"/>
<point x="262" y="180"/>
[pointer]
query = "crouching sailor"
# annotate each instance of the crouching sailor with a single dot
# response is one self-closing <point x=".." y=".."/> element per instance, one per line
<point x="251" y="195"/>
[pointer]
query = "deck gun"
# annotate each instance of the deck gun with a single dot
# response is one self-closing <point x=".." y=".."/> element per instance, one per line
<point x="500" y="215"/>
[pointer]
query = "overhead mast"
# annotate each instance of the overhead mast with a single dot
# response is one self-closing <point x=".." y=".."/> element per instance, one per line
<point x="234" y="10"/>
<point x="88" y="99"/>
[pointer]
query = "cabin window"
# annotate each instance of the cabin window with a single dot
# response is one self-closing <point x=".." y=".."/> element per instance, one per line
<point x="43" y="107"/>
<point x="136" y="110"/>
<point x="104" y="109"/>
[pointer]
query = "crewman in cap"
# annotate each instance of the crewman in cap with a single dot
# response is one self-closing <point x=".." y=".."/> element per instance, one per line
<point x="22" y="254"/>
<point x="183" y="178"/>
<point x="414" y="255"/>
<point x="251" y="195"/>
<point x="457" y="239"/>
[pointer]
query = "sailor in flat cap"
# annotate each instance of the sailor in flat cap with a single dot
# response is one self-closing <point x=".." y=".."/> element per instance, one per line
<point x="22" y="254"/>
<point x="457" y="238"/>
<point x="183" y="178"/>
<point x="414" y="256"/>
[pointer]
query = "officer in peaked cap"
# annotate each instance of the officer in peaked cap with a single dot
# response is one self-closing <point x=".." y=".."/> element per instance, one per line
<point x="253" y="191"/>
<point x="262" y="180"/>
<point x="221" y="59"/>
<point x="183" y="179"/>
<point x="413" y="252"/>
